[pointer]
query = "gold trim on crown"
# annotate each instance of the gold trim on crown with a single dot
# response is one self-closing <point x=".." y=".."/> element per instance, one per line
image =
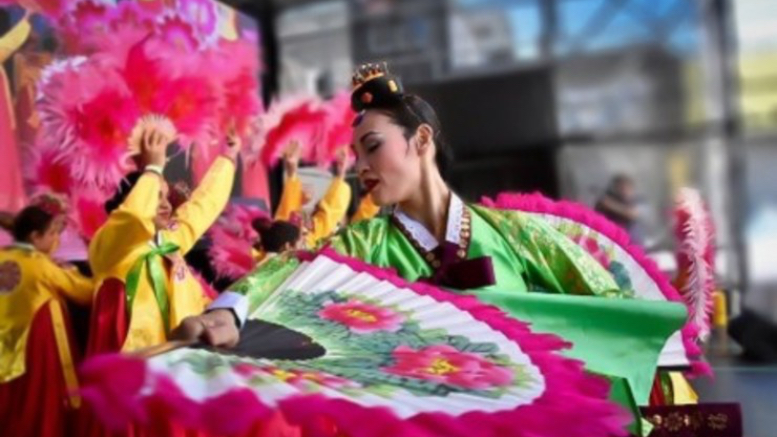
<point x="368" y="72"/>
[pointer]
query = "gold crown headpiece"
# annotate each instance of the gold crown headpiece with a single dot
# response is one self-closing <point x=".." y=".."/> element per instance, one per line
<point x="368" y="72"/>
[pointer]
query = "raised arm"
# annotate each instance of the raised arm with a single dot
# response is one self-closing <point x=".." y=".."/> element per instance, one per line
<point x="208" y="200"/>
<point x="14" y="39"/>
<point x="132" y="223"/>
<point x="367" y="209"/>
<point x="291" y="197"/>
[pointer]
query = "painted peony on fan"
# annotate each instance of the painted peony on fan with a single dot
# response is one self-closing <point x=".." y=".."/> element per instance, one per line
<point x="389" y="358"/>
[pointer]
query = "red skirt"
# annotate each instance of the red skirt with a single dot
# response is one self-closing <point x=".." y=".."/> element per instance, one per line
<point x="107" y="332"/>
<point x="109" y="322"/>
<point x="36" y="404"/>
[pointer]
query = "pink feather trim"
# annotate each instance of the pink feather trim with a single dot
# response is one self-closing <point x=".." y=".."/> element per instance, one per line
<point x="695" y="255"/>
<point x="233" y="236"/>
<point x="573" y="404"/>
<point x="537" y="203"/>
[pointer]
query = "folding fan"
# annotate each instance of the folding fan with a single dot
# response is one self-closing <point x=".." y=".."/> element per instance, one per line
<point x="632" y="270"/>
<point x="359" y="348"/>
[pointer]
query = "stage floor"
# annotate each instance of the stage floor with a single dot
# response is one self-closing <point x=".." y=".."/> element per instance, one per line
<point x="753" y="385"/>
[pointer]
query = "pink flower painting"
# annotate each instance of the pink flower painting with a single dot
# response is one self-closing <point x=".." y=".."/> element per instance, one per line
<point x="592" y="247"/>
<point x="294" y="377"/>
<point x="363" y="318"/>
<point x="444" y="364"/>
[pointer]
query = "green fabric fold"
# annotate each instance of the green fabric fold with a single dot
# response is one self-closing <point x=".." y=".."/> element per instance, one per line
<point x="152" y="261"/>
<point x="619" y="338"/>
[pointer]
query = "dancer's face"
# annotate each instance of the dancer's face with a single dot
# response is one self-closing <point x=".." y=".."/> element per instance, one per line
<point x="164" y="211"/>
<point x="388" y="164"/>
<point x="47" y="241"/>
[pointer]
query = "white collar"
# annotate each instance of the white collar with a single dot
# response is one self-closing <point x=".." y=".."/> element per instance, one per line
<point x="25" y="246"/>
<point x="423" y="237"/>
<point x="157" y="241"/>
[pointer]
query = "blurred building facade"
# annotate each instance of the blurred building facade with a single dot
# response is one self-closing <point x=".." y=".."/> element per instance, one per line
<point x="560" y="95"/>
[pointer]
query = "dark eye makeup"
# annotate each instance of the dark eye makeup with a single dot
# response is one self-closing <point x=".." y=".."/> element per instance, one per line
<point x="370" y="141"/>
<point x="372" y="146"/>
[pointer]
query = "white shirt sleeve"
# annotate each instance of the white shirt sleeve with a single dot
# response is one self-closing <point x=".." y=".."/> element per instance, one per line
<point x="229" y="300"/>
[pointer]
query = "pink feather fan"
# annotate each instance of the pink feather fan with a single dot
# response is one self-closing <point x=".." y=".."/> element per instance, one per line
<point x="175" y="30"/>
<point x="289" y="120"/>
<point x="131" y="15"/>
<point x="46" y="169"/>
<point x="189" y="99"/>
<point x="233" y="236"/>
<point x="87" y="210"/>
<point x="84" y="25"/>
<point x="89" y="112"/>
<point x="51" y="8"/>
<point x="695" y="232"/>
<point x="238" y="80"/>
<point x="339" y="127"/>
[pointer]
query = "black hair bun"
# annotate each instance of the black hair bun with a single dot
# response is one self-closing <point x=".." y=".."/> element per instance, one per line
<point x="375" y="87"/>
<point x="261" y="224"/>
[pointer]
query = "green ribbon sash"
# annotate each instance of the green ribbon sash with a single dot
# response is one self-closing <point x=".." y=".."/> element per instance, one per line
<point x="156" y="275"/>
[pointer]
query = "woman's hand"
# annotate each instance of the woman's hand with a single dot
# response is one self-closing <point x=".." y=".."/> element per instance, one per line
<point x="215" y="328"/>
<point x="153" y="148"/>
<point x="234" y="145"/>
<point x="291" y="159"/>
<point x="341" y="162"/>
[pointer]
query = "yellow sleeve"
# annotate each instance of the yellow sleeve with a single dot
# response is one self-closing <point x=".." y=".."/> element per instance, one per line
<point x="331" y="209"/>
<point x="130" y="224"/>
<point x="70" y="283"/>
<point x="15" y="38"/>
<point x="367" y="210"/>
<point x="291" y="199"/>
<point x="207" y="202"/>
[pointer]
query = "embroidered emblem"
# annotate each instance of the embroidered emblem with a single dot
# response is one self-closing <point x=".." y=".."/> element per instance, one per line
<point x="180" y="272"/>
<point x="178" y="268"/>
<point x="10" y="276"/>
<point x="717" y="421"/>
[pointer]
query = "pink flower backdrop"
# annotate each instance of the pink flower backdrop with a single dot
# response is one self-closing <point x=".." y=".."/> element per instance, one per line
<point x="194" y="61"/>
